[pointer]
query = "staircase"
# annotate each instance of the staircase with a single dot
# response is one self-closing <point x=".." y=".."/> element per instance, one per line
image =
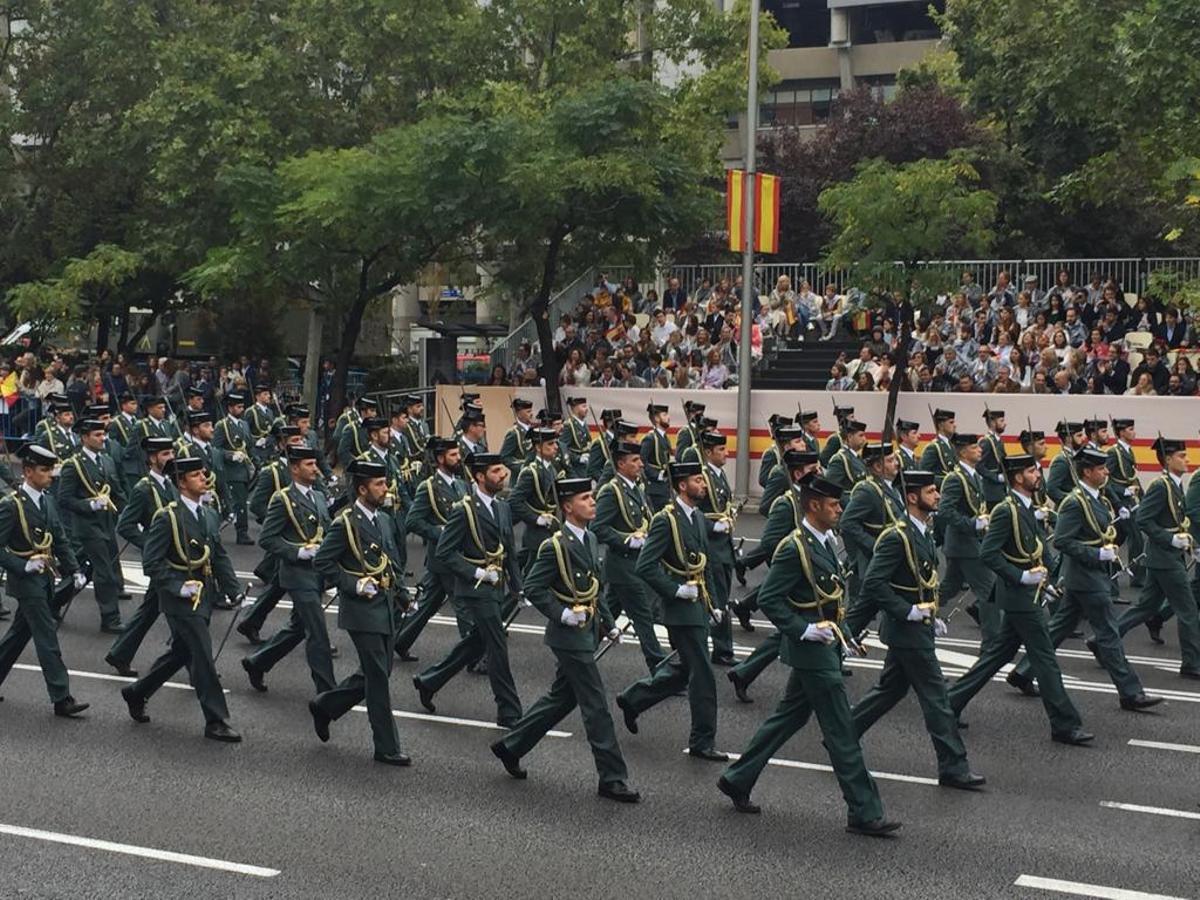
<point x="806" y="366"/>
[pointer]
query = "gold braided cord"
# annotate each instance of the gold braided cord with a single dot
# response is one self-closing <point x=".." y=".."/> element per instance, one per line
<point x="1104" y="536"/>
<point x="378" y="571"/>
<point x="888" y="513"/>
<point x="719" y="512"/>
<point x="547" y="507"/>
<point x="924" y="587"/>
<point x="619" y="495"/>
<point x="692" y="571"/>
<point x="240" y="444"/>
<point x="1025" y="556"/>
<point x="492" y="559"/>
<point x="433" y="504"/>
<point x="36" y="548"/>
<point x="124" y="431"/>
<point x="579" y="600"/>
<point x="968" y="491"/>
<point x="104" y="491"/>
<point x="306" y="540"/>
<point x="823" y="597"/>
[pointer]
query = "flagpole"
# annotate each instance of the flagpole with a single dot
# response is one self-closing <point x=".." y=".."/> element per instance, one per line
<point x="749" y="198"/>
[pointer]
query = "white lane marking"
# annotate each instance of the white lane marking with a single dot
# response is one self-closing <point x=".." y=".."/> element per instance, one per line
<point x="1079" y="889"/>
<point x="1152" y="810"/>
<point x="104" y="676"/>
<point x="186" y="859"/>
<point x="1159" y="745"/>
<point x="818" y="767"/>
<point x="451" y="720"/>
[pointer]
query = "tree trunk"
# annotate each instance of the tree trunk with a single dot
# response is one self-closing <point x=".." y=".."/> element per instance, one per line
<point x="351" y="325"/>
<point x="539" y="309"/>
<point x="103" y="328"/>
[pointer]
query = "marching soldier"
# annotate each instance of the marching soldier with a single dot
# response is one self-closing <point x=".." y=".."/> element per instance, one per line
<point x="1013" y="551"/>
<point x="840" y="415"/>
<point x="125" y="433"/>
<point x="623" y="432"/>
<point x="873" y="506"/>
<point x="964" y="512"/>
<point x="846" y="468"/>
<point x="195" y="401"/>
<point x="299" y="415"/>
<point x="720" y="517"/>
<point x="810" y="422"/>
<point x="356" y="555"/>
<point x="1063" y="477"/>
<point x="198" y="442"/>
<point x="231" y="441"/>
<point x="90" y="489"/>
<point x="622" y="520"/>
<point x="410" y="461"/>
<point x="379" y="450"/>
<point x="991" y="462"/>
<point x="902" y="579"/>
<point x="909" y="435"/>
<point x="517" y="449"/>
<point x="771" y="456"/>
<point x="786" y="514"/>
<point x="939" y="456"/>
<point x="1097" y="433"/>
<point x="532" y="499"/>
<point x="260" y="421"/>
<point x="186" y="563"/>
<point x="790" y="439"/>
<point x="150" y="493"/>
<point x="576" y="438"/>
<point x="803" y="595"/>
<point x="472" y="428"/>
<point x="417" y="428"/>
<point x="56" y="431"/>
<point x="674" y="562"/>
<point x="695" y="452"/>
<point x="656" y="453"/>
<point x="34" y="552"/>
<point x="274" y="475"/>
<point x="1125" y="490"/>
<point x="564" y="585"/>
<point x="1163" y="520"/>
<point x="599" y="467"/>
<point x="155" y="423"/>
<point x="478" y="546"/>
<point x="433" y="501"/>
<point x="296" y="522"/>
<point x="689" y="434"/>
<point x="349" y="447"/>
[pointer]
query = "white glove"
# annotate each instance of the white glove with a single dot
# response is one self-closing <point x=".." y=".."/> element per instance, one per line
<point x="721" y="527"/>
<point x="543" y="521"/>
<point x="583" y="459"/>
<point x="207" y="497"/>
<point x="915" y="614"/>
<point x="572" y="619"/>
<point x="35" y="566"/>
<point x="80" y="581"/>
<point x="1039" y="514"/>
<point x="614" y="635"/>
<point x="940" y="628"/>
<point x="662" y="476"/>
<point x="818" y="635"/>
<point x="1181" y="541"/>
<point x="687" y="592"/>
<point x="718" y="615"/>
<point x="189" y="589"/>
<point x="261" y="442"/>
<point x="1029" y="576"/>
<point x="1130" y="491"/>
<point x="56" y="471"/>
<point x="981" y="523"/>
<point x="1123" y="512"/>
<point x="389" y="501"/>
<point x="635" y="543"/>
<point x="306" y="553"/>
<point x="239" y="456"/>
<point x="365" y="587"/>
<point x="333" y="481"/>
<point x="1107" y="554"/>
<point x="491" y="576"/>
<point x="97" y="504"/>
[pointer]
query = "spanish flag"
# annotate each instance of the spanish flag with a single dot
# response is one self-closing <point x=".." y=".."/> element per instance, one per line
<point x="766" y="211"/>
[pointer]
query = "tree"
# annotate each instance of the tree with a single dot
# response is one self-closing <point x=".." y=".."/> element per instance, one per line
<point x="890" y="217"/>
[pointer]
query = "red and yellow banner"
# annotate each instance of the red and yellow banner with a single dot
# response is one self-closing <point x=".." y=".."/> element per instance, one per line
<point x="766" y="211"/>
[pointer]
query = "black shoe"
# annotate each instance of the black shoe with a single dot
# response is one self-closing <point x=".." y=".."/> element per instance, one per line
<point x="393" y="759"/>
<point x="112" y="629"/>
<point x="1094" y="649"/>
<point x="739" y="569"/>
<point x="255" y="676"/>
<point x="507" y="724"/>
<point x="137" y="705"/>
<point x="250" y="633"/>
<point x="220" y="731"/>
<point x="973" y="612"/>
<point x="333" y="651"/>
<point x="124" y="595"/>
<point x="424" y="695"/>
<point x="968" y="782"/>
<point x="630" y="715"/>
<point x="739" y="687"/>
<point x="224" y="603"/>
<point x="405" y="656"/>
<point x="1141" y="701"/>
<point x="1154" y="626"/>
<point x="709" y="754"/>
<point x="122" y="668"/>
<point x="244" y="540"/>
<point x="875" y="828"/>
<point x="69" y="707"/>
<point x="741" y="800"/>
<point x="743" y="616"/>
<point x="320" y="721"/>
<point x="1023" y="683"/>
<point x="1190" y="673"/>
<point x="618" y="791"/>
<point x="847" y="672"/>
<point x="512" y="765"/>
<point x="961" y="724"/>
<point x="1076" y="737"/>
<point x="723" y="659"/>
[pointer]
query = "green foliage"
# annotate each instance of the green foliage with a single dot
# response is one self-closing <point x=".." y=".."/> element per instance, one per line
<point x="80" y="291"/>
<point x="391" y="375"/>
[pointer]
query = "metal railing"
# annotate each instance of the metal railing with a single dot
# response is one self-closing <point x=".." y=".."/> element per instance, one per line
<point x="504" y="350"/>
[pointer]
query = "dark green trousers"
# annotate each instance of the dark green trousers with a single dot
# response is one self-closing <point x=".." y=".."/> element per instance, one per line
<point x="106" y="582"/>
<point x="577" y="682"/>
<point x="36" y="619"/>
<point x="635" y="600"/>
<point x="239" y="491"/>
<point x="916" y="668"/>
<point x="1028" y="628"/>
<point x="691" y="669"/>
<point x="1098" y="610"/>
<point x="256" y="616"/>
<point x="979" y="578"/>
<point x="1172" y="586"/>
<point x="306" y="624"/>
<point x="486" y="635"/>
<point x="722" y="632"/>
<point x="756" y="663"/>
<point x="190" y="647"/>
<point x="824" y="693"/>
<point x="433" y="595"/>
<point x="137" y="626"/>
<point x="369" y="684"/>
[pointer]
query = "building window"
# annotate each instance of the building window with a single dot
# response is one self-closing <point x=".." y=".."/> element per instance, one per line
<point x="806" y="21"/>
<point x="882" y="86"/>
<point x="793" y="103"/>
<point x="894" y="22"/>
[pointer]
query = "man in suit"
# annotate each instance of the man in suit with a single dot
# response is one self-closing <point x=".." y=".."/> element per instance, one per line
<point x="34" y="550"/>
<point x="478" y="547"/>
<point x="902" y="580"/>
<point x="356" y="555"/>
<point x="90" y="489"/>
<point x="185" y="561"/>
<point x="909" y="435"/>
<point x="532" y="500"/>
<point x="517" y="449"/>
<point x="150" y="493"/>
<point x="991" y="462"/>
<point x="963" y="510"/>
<point x="939" y="456"/>
<point x="231" y="441"/>
<point x="674" y="562"/>
<point x="576" y="438"/>
<point x="846" y="468"/>
<point x="656" y="453"/>
<point x="564" y="585"/>
<point x="803" y="596"/>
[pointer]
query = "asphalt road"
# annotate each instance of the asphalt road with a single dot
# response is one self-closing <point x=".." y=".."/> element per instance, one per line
<point x="282" y="815"/>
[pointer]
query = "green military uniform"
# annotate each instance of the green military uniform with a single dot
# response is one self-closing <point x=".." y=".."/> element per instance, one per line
<point x="573" y="447"/>
<point x="124" y="431"/>
<point x="908" y="459"/>
<point x="1192" y="505"/>
<point x="516" y="449"/>
<point x="901" y="575"/>
<point x="31" y="526"/>
<point x="358" y="545"/>
<point x="832" y="446"/>
<point x="466" y="448"/>
<point x="961" y="505"/>
<point x="214" y="464"/>
<point x="676" y="554"/>
<point x="1124" y="489"/>
<point x="150" y="494"/>
<point x="600" y="464"/>
<point x="1011" y="548"/>
<point x="260" y="421"/>
<point x="270" y="480"/>
<point x="622" y="511"/>
<point x="532" y="499"/>
<point x="354" y="442"/>
<point x="295" y="526"/>
<point x="686" y="437"/>
<point x="846" y="469"/>
<point x="87" y="479"/>
<point x="565" y="574"/>
<point x="397" y="500"/>
<point x="767" y="464"/>
<point x="350" y="417"/>
<point x="778" y="484"/>
<point x="991" y="468"/>
<point x="656" y="454"/>
<point x="938" y="456"/>
<point x="804" y="586"/>
<point x="1061" y="478"/>
<point x="231" y="439"/>
<point x="874" y="505"/>
<point x="717" y="507"/>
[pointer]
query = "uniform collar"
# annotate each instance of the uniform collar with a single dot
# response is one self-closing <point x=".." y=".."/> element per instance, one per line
<point x="486" y="499"/>
<point x="161" y="479"/>
<point x="918" y="524"/>
<point x="821" y="536"/>
<point x="1091" y="490"/>
<point x="449" y="479"/>
<point x="192" y="505"/>
<point x="366" y="511"/>
<point x="1028" y="501"/>
<point x="580" y="533"/>
<point x="970" y="469"/>
<point x="687" y="510"/>
<point x="33" y="493"/>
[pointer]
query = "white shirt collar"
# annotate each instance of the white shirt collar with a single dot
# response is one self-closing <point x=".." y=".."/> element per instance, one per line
<point x="91" y="454"/>
<point x="579" y="533"/>
<point x="160" y="478"/>
<point x="304" y="489"/>
<point x="192" y="505"/>
<point x="1091" y="490"/>
<point x="34" y="494"/>
<point x="632" y="484"/>
<point x="1124" y="444"/>
<point x="471" y="445"/>
<point x="717" y="470"/>
<point x="365" y="510"/>
<point x="688" y="510"/>
<point x="920" y="526"/>
<point x="945" y="440"/>
<point x="486" y="499"/>
<point x="523" y="425"/>
<point x="380" y="452"/>
<point x="822" y="536"/>
<point x="449" y="479"/>
<point x="199" y="443"/>
<point x="1178" y="479"/>
<point x="1028" y="501"/>
<point x="970" y="469"/>
<point x="661" y="431"/>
